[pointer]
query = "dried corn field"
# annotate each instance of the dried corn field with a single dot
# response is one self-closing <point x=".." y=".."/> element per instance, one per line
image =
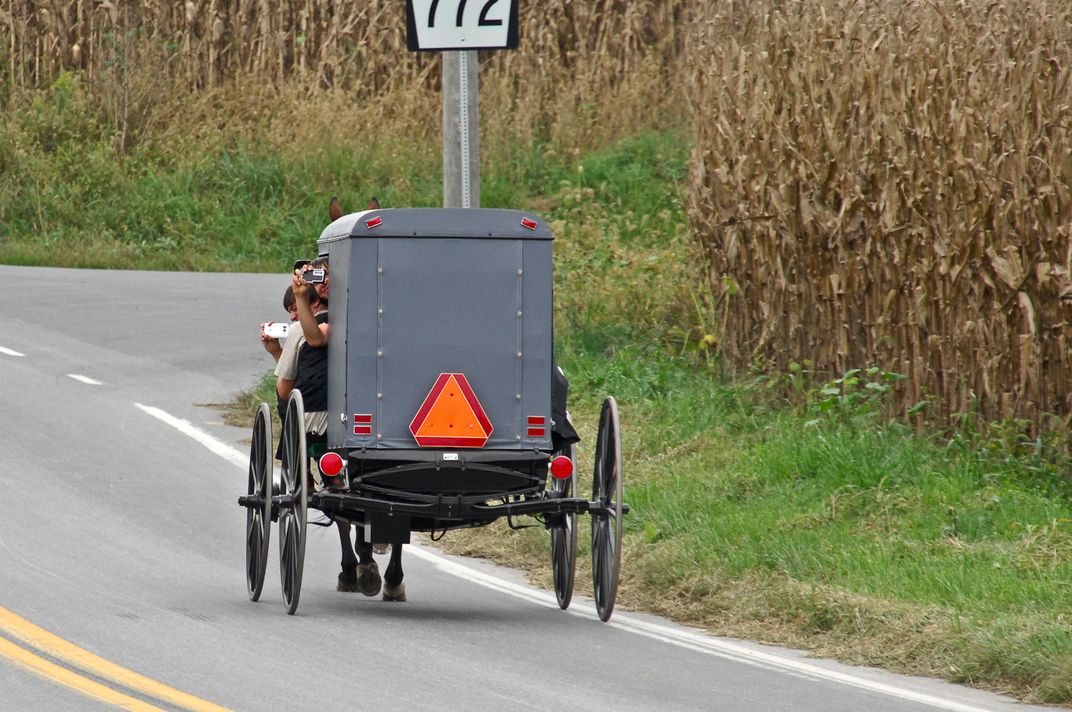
<point x="612" y="59"/>
<point x="889" y="184"/>
<point x="205" y="44"/>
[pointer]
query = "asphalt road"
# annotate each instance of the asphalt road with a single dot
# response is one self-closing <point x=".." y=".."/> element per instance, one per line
<point x="121" y="551"/>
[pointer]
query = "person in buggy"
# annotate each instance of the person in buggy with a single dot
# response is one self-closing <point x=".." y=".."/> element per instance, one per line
<point x="303" y="366"/>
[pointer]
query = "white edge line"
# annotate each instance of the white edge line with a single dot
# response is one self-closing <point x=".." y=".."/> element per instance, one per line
<point x="11" y="352"/>
<point x="695" y="641"/>
<point x="759" y="658"/>
<point x="85" y="379"/>
<point x="183" y="426"/>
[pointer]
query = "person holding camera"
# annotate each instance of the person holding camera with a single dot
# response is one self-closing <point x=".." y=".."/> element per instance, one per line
<point x="274" y="333"/>
<point x="303" y="362"/>
<point x="304" y="365"/>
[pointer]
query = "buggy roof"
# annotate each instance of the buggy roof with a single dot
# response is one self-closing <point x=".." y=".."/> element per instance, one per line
<point x="475" y="223"/>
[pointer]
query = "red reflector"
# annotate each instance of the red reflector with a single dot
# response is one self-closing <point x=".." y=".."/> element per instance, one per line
<point x="562" y="467"/>
<point x="536" y="420"/>
<point x="331" y="464"/>
<point x="529" y="223"/>
<point x="365" y="418"/>
<point x="536" y="432"/>
<point x="362" y="430"/>
<point x="374" y="222"/>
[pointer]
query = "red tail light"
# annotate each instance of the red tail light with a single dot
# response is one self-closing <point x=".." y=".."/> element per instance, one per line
<point x="562" y="467"/>
<point x="331" y="464"/>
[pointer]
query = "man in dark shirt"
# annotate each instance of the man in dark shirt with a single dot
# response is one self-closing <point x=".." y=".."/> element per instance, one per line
<point x="359" y="569"/>
<point x="304" y="362"/>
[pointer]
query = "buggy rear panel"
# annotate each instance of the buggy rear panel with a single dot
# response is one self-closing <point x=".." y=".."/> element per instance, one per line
<point x="420" y="292"/>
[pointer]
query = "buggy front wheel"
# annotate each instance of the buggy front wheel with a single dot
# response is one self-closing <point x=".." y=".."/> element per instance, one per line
<point x="259" y="491"/>
<point x="607" y="520"/>
<point x="564" y="539"/>
<point x="293" y="502"/>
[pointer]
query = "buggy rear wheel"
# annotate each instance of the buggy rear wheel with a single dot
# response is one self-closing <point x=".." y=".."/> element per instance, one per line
<point x="607" y="523"/>
<point x="259" y="487"/>
<point x="294" y="502"/>
<point x="564" y="539"/>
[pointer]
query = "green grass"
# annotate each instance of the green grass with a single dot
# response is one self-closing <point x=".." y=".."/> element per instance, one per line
<point x="849" y="536"/>
<point x="763" y="505"/>
<point x="238" y="209"/>
<point x="220" y="202"/>
<point x="844" y="535"/>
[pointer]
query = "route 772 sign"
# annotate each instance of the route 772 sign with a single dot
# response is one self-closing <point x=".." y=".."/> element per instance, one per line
<point x="461" y="24"/>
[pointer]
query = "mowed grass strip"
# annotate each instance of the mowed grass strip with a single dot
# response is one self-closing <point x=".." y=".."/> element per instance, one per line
<point x="872" y="546"/>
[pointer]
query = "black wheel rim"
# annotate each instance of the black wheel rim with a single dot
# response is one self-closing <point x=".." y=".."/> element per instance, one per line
<point x="607" y="524"/>
<point x="293" y="508"/>
<point x="564" y="540"/>
<point x="259" y="519"/>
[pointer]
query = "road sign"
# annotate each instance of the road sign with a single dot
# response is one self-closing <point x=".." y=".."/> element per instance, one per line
<point x="461" y="24"/>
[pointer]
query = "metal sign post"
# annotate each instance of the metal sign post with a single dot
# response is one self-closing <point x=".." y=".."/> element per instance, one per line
<point x="461" y="130"/>
<point x="461" y="28"/>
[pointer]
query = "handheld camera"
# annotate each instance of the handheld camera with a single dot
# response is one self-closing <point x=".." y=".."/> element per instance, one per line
<point x="276" y="330"/>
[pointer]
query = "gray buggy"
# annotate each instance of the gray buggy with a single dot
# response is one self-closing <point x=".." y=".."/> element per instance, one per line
<point x="446" y="409"/>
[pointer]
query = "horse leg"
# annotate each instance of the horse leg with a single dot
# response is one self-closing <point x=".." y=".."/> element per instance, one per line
<point x="393" y="588"/>
<point x="368" y="573"/>
<point x="348" y="575"/>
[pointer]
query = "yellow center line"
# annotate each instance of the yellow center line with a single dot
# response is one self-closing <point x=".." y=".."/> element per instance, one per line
<point x="55" y="673"/>
<point x="55" y="646"/>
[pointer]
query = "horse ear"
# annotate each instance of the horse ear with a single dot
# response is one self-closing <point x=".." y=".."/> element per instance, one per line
<point x="334" y="209"/>
<point x="373" y="203"/>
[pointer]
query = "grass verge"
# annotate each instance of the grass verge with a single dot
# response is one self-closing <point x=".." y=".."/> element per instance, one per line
<point x="866" y="543"/>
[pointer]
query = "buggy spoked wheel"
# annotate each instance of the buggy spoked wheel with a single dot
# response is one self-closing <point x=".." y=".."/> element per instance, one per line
<point x="259" y="487"/>
<point x="607" y="522"/>
<point x="564" y="539"/>
<point x="293" y="502"/>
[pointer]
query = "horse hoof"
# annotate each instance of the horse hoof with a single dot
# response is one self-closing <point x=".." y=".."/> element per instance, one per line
<point x="394" y="593"/>
<point x="368" y="579"/>
<point x="347" y="582"/>
<point x="380" y="549"/>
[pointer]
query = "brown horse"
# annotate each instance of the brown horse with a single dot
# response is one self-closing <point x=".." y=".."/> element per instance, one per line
<point x="360" y="573"/>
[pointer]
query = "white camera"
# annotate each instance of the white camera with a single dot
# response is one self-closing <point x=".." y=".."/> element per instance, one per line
<point x="276" y="330"/>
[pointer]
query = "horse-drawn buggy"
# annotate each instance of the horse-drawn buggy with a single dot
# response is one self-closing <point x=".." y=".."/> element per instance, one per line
<point x="445" y="406"/>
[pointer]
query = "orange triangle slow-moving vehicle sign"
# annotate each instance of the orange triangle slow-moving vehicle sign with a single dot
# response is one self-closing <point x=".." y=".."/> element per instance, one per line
<point x="451" y="416"/>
